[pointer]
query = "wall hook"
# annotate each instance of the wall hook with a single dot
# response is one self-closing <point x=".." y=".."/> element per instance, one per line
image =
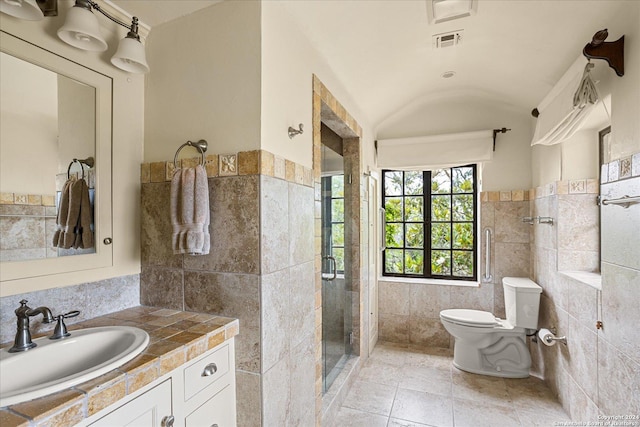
<point x="612" y="52"/>
<point x="293" y="132"/>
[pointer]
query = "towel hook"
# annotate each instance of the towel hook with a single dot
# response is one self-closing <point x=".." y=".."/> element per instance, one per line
<point x="89" y="161"/>
<point x="201" y="146"/>
<point x="293" y="132"/>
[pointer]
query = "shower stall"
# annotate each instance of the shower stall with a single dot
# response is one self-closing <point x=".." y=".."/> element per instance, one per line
<point x="337" y="332"/>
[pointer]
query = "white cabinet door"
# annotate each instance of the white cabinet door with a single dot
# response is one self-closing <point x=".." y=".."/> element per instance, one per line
<point x="219" y="411"/>
<point x="146" y="410"/>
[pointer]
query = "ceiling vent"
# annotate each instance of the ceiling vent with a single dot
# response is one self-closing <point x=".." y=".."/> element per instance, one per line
<point x="453" y="38"/>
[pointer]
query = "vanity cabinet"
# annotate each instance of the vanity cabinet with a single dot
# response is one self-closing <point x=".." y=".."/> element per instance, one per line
<point x="202" y="392"/>
<point x="148" y="409"/>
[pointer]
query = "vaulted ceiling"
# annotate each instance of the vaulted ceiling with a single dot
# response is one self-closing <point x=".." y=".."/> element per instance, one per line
<point x="513" y="51"/>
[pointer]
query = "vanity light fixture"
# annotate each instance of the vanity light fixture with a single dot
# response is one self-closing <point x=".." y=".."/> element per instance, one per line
<point x="22" y="9"/>
<point x="82" y="30"/>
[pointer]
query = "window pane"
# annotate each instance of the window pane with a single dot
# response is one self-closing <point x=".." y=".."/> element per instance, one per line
<point x="414" y="209"/>
<point x="395" y="237"/>
<point x="393" y="208"/>
<point x="337" y="186"/>
<point x="393" y="261"/>
<point x="414" y="236"/>
<point x="463" y="263"/>
<point x="440" y="181"/>
<point x="463" y="207"/>
<point x="337" y="234"/>
<point x="413" y="184"/>
<point x="463" y="180"/>
<point x="393" y="183"/>
<point x="463" y="235"/>
<point x="338" y="254"/>
<point x="441" y="262"/>
<point x="440" y="208"/>
<point x="337" y="210"/>
<point x="441" y="236"/>
<point x="414" y="262"/>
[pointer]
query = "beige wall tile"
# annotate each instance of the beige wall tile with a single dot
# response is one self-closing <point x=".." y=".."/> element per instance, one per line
<point x="279" y="168"/>
<point x="6" y="198"/>
<point x="249" y="162"/>
<point x="212" y="165"/>
<point x="267" y="163"/>
<point x="158" y="171"/>
<point x="290" y="171"/>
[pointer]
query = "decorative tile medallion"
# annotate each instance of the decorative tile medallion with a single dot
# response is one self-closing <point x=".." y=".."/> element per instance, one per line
<point x="228" y="164"/>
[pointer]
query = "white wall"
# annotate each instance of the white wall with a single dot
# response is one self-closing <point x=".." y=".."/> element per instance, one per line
<point x="127" y="137"/>
<point x="445" y="113"/>
<point x="29" y="127"/>
<point x="625" y="93"/>
<point x="289" y="61"/>
<point x="204" y="81"/>
<point x="76" y="123"/>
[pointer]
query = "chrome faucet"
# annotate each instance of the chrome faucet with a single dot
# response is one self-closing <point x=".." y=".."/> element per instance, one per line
<point x="23" y="335"/>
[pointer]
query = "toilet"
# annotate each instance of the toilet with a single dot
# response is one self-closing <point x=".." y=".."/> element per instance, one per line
<point x="487" y="345"/>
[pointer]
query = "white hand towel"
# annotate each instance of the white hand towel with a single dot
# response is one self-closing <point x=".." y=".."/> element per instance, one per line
<point x="190" y="214"/>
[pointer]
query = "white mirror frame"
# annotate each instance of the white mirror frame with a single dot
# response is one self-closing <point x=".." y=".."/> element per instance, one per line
<point x="13" y="273"/>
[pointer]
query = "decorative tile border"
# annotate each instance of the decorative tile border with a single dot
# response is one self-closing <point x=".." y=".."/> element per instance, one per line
<point x="27" y="199"/>
<point x="257" y="162"/>
<point x="620" y="169"/>
<point x="504" y="196"/>
<point x="575" y="186"/>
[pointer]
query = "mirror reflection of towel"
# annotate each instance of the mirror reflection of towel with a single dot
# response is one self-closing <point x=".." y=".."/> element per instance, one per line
<point x="74" y="216"/>
<point x="190" y="214"/>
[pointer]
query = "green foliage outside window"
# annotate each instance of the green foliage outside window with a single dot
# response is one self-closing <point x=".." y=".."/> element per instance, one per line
<point x="431" y="216"/>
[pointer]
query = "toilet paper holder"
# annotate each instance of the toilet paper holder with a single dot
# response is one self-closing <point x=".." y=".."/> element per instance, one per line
<point x="548" y="336"/>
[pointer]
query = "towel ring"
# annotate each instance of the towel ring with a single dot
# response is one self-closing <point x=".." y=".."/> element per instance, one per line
<point x="89" y="161"/>
<point x="201" y="146"/>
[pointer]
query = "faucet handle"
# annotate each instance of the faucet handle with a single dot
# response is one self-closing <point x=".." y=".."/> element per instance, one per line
<point x="60" y="330"/>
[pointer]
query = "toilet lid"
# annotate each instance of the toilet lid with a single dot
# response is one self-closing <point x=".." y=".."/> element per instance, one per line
<point x="475" y="318"/>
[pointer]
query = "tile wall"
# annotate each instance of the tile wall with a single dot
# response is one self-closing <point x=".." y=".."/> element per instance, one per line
<point x="260" y="269"/>
<point x="410" y="312"/>
<point x="598" y="372"/>
<point x="92" y="299"/>
<point x="28" y="223"/>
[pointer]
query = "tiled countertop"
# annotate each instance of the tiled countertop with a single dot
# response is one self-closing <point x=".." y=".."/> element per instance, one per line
<point x="175" y="338"/>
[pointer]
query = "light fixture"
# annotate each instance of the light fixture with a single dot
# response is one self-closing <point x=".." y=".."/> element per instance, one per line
<point x="82" y="30"/>
<point x="23" y="9"/>
<point x="447" y="10"/>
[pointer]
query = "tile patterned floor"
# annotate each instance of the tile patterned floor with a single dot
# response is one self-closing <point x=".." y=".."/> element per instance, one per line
<point x="402" y="387"/>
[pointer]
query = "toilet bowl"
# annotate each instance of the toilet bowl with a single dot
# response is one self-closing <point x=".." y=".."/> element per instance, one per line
<point x="487" y="345"/>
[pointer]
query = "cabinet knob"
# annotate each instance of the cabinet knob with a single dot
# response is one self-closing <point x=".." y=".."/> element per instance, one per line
<point x="168" y="421"/>
<point x="209" y="370"/>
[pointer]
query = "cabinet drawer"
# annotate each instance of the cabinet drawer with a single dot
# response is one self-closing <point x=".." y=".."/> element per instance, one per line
<point x="206" y="371"/>
<point x="219" y="411"/>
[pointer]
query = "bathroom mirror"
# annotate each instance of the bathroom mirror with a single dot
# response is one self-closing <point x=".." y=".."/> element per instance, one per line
<point x="52" y="111"/>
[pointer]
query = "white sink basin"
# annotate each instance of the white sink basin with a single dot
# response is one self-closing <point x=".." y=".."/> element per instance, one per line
<point x="55" y="365"/>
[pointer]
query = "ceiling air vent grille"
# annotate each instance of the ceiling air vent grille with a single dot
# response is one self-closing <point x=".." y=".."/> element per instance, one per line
<point x="450" y="39"/>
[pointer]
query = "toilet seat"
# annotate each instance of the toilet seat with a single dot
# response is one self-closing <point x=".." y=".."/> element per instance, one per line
<point x="472" y="318"/>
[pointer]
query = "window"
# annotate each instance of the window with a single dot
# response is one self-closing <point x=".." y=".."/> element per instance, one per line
<point x="445" y="237"/>
<point x="333" y="219"/>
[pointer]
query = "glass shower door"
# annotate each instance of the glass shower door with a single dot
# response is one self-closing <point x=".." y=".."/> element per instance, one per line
<point x="336" y="289"/>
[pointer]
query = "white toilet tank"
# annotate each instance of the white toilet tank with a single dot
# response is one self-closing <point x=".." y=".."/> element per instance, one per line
<point x="521" y="301"/>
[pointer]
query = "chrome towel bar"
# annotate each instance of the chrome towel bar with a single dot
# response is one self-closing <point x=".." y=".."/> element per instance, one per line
<point x="624" y="201"/>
